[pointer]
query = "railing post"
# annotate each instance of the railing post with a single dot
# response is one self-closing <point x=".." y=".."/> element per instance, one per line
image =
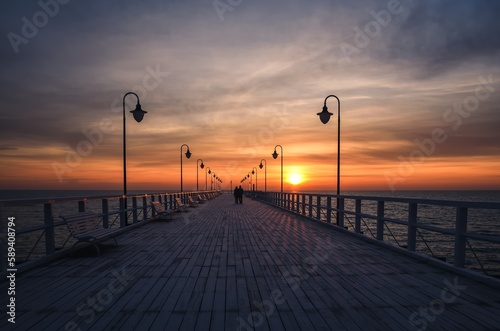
<point x="309" y="201"/>
<point x="357" y="219"/>
<point x="123" y="213"/>
<point x="171" y="201"/>
<point x="297" y="203"/>
<point x="460" y="238"/>
<point x="318" y="208"/>
<point x="49" y="229"/>
<point x="340" y="212"/>
<point x="144" y="208"/>
<point x="105" y="213"/>
<point x="328" y="209"/>
<point x="380" y="221"/>
<point x="303" y="204"/>
<point x="81" y="206"/>
<point x="134" y="209"/>
<point x="412" y="227"/>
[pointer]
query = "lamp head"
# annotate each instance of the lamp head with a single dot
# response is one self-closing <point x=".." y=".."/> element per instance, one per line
<point x="275" y="155"/>
<point x="138" y="112"/>
<point x="253" y="172"/>
<point x="188" y="154"/>
<point x="261" y="165"/>
<point x="209" y="171"/>
<point x="324" y="116"/>
<point x="202" y="165"/>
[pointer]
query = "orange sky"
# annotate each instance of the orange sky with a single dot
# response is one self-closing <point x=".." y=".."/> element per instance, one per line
<point x="418" y="110"/>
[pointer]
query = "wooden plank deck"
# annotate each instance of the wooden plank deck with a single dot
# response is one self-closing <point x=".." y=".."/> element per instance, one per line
<point x="227" y="267"/>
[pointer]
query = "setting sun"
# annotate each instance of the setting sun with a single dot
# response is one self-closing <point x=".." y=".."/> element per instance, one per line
<point x="295" y="178"/>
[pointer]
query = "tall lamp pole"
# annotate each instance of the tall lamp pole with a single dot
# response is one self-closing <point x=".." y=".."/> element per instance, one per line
<point x="206" y="181"/>
<point x="265" y="173"/>
<point x="201" y="166"/>
<point x="188" y="155"/>
<point x="256" y="178"/>
<point x="275" y="155"/>
<point x="324" y="116"/>
<point x="138" y="116"/>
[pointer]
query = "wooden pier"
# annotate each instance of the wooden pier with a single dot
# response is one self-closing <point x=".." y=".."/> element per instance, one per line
<point x="224" y="266"/>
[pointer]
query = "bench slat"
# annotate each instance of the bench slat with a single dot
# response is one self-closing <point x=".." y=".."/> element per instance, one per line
<point x="160" y="210"/>
<point x="87" y="227"/>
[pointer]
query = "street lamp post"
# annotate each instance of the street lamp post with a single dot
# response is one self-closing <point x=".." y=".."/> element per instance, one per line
<point x="138" y="116"/>
<point x="275" y="155"/>
<point x="265" y="173"/>
<point x="324" y="116"/>
<point x="206" y="181"/>
<point x="201" y="166"/>
<point x="249" y="182"/>
<point x="256" y="178"/>
<point x="188" y="155"/>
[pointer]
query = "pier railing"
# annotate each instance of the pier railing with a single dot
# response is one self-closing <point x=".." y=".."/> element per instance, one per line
<point x="41" y="234"/>
<point x="463" y="233"/>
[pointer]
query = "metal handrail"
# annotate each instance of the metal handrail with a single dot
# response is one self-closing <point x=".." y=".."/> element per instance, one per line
<point x="142" y="211"/>
<point x="319" y="207"/>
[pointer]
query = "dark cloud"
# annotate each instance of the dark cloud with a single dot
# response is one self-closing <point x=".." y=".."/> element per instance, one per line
<point x="440" y="35"/>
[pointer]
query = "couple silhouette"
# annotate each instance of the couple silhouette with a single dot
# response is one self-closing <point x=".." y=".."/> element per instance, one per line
<point x="238" y="194"/>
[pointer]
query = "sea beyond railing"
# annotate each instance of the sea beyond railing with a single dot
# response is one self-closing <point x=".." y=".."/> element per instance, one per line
<point x="35" y="234"/>
<point x="465" y="234"/>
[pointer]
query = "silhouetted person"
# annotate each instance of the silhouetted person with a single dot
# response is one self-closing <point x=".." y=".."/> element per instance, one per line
<point x="240" y="194"/>
<point x="236" y="192"/>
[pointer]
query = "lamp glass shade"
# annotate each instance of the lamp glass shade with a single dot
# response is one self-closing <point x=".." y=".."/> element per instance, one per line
<point x="261" y="165"/>
<point x="138" y="112"/>
<point x="188" y="154"/>
<point x="253" y="172"/>
<point x="202" y="165"/>
<point x="275" y="155"/>
<point x="324" y="116"/>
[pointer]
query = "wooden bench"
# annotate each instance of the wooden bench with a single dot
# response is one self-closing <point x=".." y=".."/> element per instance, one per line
<point x="208" y="196"/>
<point x="160" y="210"/>
<point x="192" y="203"/>
<point x="87" y="227"/>
<point x="200" y="199"/>
<point x="181" y="206"/>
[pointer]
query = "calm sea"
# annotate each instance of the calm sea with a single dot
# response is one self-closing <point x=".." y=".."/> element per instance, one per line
<point x="493" y="196"/>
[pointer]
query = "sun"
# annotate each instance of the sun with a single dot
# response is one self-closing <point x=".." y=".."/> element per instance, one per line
<point x="295" y="178"/>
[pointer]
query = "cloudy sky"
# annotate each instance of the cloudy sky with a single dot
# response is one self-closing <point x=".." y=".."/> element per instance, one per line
<point x="418" y="81"/>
